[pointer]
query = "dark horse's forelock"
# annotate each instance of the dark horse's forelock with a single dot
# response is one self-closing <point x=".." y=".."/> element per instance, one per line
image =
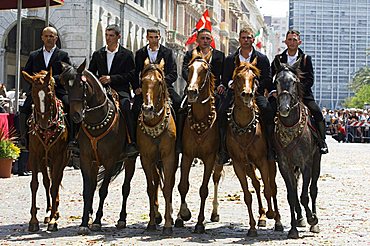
<point x="69" y="73"/>
<point x="281" y="76"/>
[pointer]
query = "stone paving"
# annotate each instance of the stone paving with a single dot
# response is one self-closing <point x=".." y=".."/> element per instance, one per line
<point x="343" y="209"/>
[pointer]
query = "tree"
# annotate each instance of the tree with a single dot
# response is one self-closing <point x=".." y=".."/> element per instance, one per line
<point x="361" y="97"/>
<point x="362" y="77"/>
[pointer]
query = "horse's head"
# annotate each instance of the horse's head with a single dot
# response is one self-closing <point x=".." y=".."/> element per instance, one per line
<point x="43" y="96"/>
<point x="2" y="90"/>
<point x="154" y="89"/>
<point x="75" y="83"/>
<point x="245" y="81"/>
<point x="287" y="81"/>
<point x="199" y="74"/>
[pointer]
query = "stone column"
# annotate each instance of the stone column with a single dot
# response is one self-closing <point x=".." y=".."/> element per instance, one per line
<point x="3" y="66"/>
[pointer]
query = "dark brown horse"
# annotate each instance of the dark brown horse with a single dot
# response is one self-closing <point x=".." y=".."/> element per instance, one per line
<point x="156" y="140"/>
<point x="48" y="139"/>
<point x="247" y="146"/>
<point x="293" y="133"/>
<point x="200" y="136"/>
<point x="101" y="140"/>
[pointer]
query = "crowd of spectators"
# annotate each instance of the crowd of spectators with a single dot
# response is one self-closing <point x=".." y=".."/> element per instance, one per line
<point x="348" y="125"/>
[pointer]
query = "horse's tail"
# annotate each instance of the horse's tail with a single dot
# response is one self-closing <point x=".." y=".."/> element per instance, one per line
<point x="116" y="170"/>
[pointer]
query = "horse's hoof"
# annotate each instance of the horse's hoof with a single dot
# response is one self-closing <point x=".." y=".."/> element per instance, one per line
<point x="252" y="232"/>
<point x="187" y="216"/>
<point x="121" y="224"/>
<point x="200" y="229"/>
<point x="279" y="226"/>
<point x="313" y="220"/>
<point x="52" y="227"/>
<point x="158" y="219"/>
<point x="293" y="234"/>
<point x="95" y="227"/>
<point x="261" y="223"/>
<point x="33" y="227"/>
<point x="315" y="229"/>
<point x="46" y="220"/>
<point x="179" y="223"/>
<point x="151" y="227"/>
<point x="301" y="223"/>
<point x="167" y="231"/>
<point x="270" y="214"/>
<point x="215" y="217"/>
<point x="83" y="230"/>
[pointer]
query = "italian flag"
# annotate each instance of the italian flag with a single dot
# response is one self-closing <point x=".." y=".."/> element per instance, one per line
<point x="258" y="38"/>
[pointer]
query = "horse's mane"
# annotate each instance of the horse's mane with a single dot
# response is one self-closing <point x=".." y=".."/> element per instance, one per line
<point x="154" y="66"/>
<point x="244" y="66"/>
<point x="42" y="74"/>
<point x="69" y="73"/>
<point x="212" y="78"/>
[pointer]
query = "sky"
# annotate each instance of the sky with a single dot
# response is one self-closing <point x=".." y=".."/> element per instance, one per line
<point x="275" y="8"/>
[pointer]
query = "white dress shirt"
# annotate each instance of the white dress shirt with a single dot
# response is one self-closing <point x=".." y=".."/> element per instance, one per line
<point x="110" y="56"/>
<point x="152" y="54"/>
<point x="243" y="59"/>
<point x="291" y="59"/>
<point x="47" y="55"/>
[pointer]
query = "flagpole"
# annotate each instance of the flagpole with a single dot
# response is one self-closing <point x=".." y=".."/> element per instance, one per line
<point x="18" y="56"/>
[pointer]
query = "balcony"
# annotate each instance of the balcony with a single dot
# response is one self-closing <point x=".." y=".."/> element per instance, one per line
<point x="175" y="40"/>
<point x="224" y="29"/>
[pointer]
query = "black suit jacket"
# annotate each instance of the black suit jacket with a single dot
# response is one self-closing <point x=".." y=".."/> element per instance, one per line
<point x="36" y="63"/>
<point x="170" y="69"/>
<point x="263" y="64"/>
<point x="121" y="72"/>
<point x="306" y="68"/>
<point x="217" y="64"/>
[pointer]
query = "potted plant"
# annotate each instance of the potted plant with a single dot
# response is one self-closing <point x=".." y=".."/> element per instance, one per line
<point x="8" y="151"/>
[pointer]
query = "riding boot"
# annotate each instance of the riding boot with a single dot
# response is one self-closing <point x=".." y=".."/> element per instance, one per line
<point x="131" y="148"/>
<point x="180" y="122"/>
<point x="23" y="130"/>
<point x="270" y="147"/>
<point x="322" y="132"/>
<point x="223" y="154"/>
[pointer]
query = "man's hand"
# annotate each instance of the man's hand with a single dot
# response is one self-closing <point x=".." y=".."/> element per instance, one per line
<point x="221" y="89"/>
<point x="138" y="91"/>
<point x="105" y="79"/>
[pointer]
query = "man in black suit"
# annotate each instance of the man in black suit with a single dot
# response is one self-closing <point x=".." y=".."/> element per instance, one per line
<point x="156" y="52"/>
<point x="114" y="66"/>
<point x="247" y="53"/>
<point x="290" y="56"/>
<point x="204" y="40"/>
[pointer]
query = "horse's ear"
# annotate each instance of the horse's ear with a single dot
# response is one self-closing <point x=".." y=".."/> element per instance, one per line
<point x="48" y="76"/>
<point x="161" y="64"/>
<point x="27" y="77"/>
<point x="64" y="65"/>
<point x="208" y="56"/>
<point x="194" y="54"/>
<point x="296" y="64"/>
<point x="277" y="63"/>
<point x="146" y="62"/>
<point x="237" y="61"/>
<point x="254" y="62"/>
<point x="81" y="67"/>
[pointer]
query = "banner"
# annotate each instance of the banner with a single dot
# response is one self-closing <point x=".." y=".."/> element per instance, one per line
<point x="204" y="22"/>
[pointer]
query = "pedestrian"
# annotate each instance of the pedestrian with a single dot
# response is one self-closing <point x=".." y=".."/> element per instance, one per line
<point x="204" y="40"/>
<point x="114" y="66"/>
<point x="247" y="53"/>
<point x="290" y="56"/>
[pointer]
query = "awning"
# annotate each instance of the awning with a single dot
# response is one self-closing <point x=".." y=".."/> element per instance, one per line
<point x="12" y="4"/>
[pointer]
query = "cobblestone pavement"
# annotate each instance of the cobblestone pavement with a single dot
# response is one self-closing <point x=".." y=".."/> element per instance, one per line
<point x="343" y="209"/>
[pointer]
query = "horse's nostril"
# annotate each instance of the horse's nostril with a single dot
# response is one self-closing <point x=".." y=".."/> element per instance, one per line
<point x="243" y="94"/>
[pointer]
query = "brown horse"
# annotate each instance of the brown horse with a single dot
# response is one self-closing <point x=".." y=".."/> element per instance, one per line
<point x="48" y="141"/>
<point x="101" y="140"/>
<point x="201" y="138"/>
<point x="156" y="140"/>
<point x="247" y="145"/>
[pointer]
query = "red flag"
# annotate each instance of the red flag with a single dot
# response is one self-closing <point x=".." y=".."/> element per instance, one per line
<point x="204" y="22"/>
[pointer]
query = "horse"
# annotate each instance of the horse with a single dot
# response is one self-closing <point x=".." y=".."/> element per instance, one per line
<point x="200" y="133"/>
<point x="247" y="145"/>
<point x="156" y="141"/>
<point x="101" y="140"/>
<point x="293" y="131"/>
<point x="48" y="140"/>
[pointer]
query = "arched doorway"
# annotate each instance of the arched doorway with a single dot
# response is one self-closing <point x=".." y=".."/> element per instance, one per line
<point x="30" y="41"/>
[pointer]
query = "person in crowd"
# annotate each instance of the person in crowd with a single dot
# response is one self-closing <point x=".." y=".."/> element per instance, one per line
<point x="340" y="134"/>
<point x="114" y="66"/>
<point x="290" y="56"/>
<point x="204" y="40"/>
<point x="247" y="53"/>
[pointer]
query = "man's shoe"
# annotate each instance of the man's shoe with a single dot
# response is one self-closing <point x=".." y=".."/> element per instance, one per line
<point x="25" y="173"/>
<point x="323" y="147"/>
<point x="73" y="146"/>
<point x="223" y="158"/>
<point x="131" y="150"/>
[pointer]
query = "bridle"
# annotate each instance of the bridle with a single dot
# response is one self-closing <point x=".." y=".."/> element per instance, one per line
<point x="206" y="78"/>
<point x="295" y="99"/>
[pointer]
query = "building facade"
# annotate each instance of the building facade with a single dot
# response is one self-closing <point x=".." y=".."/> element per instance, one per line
<point x="336" y="33"/>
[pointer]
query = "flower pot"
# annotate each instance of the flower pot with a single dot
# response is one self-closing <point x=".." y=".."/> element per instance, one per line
<point x="6" y="168"/>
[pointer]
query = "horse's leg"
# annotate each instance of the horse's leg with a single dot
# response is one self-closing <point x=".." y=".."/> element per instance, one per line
<point x="33" y="225"/>
<point x="217" y="172"/>
<point x="89" y="175"/>
<point x="209" y="164"/>
<point x="148" y="167"/>
<point x="240" y="172"/>
<point x="264" y="169"/>
<point x="272" y="171"/>
<point x="129" y="173"/>
<point x="184" y="212"/>
<point x="46" y="182"/>
<point x="291" y="185"/>
<point x="158" y="216"/>
<point x="169" y="170"/>
<point x="250" y="170"/>
<point x="313" y="190"/>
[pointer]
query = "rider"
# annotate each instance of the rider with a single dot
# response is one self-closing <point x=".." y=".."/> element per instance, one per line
<point x="247" y="53"/>
<point x="204" y="40"/>
<point x="291" y="55"/>
<point x="115" y="67"/>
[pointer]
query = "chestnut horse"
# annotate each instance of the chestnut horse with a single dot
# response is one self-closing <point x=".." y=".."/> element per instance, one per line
<point x="101" y="140"/>
<point x="294" y="133"/>
<point x="156" y="140"/>
<point x="48" y="139"/>
<point x="201" y="139"/>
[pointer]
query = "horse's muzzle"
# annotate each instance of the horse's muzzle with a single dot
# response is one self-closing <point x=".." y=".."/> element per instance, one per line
<point x="246" y="97"/>
<point x="284" y="110"/>
<point x="148" y="111"/>
<point x="193" y="95"/>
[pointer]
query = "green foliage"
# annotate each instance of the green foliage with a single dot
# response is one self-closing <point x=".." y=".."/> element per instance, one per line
<point x="362" y="77"/>
<point x="8" y="150"/>
<point x="361" y="97"/>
